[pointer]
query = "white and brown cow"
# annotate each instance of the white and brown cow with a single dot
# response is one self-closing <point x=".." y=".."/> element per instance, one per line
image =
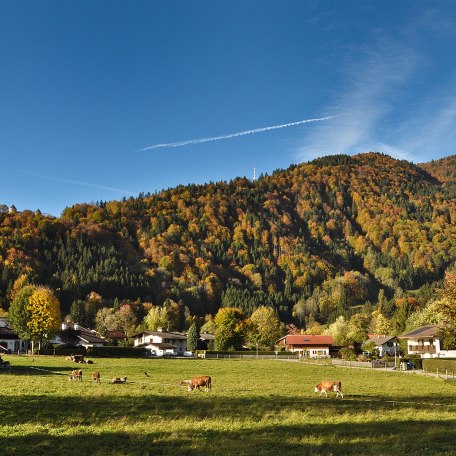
<point x="75" y="375"/>
<point x="327" y="385"/>
<point x="198" y="382"/>
<point x="95" y="377"/>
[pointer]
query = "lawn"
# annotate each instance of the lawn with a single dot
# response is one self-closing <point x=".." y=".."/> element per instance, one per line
<point x="256" y="407"/>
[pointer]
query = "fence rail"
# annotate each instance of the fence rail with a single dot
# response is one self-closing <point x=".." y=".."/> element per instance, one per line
<point x="245" y="356"/>
<point x="365" y="364"/>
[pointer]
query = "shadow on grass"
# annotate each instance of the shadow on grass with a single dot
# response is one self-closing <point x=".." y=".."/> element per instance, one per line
<point x="75" y="410"/>
<point x="75" y="415"/>
<point x="425" y="438"/>
<point x="37" y="369"/>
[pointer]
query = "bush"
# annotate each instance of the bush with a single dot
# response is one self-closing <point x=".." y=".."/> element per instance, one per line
<point x="442" y="365"/>
<point x="387" y="359"/>
<point x="117" y="352"/>
<point x="63" y="351"/>
<point x="415" y="360"/>
<point x="243" y="352"/>
<point x="347" y="354"/>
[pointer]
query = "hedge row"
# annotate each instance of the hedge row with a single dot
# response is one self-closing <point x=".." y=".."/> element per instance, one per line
<point x="117" y="352"/>
<point x="108" y="351"/>
<point x="432" y="364"/>
<point x="243" y="352"/>
<point x="63" y="351"/>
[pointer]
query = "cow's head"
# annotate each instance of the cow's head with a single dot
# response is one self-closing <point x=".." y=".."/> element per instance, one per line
<point x="316" y="389"/>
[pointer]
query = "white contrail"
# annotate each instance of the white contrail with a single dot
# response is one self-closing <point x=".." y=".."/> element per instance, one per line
<point x="234" y="135"/>
<point x="76" y="182"/>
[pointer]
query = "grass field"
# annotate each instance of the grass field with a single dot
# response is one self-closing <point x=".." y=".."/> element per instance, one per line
<point x="256" y="407"/>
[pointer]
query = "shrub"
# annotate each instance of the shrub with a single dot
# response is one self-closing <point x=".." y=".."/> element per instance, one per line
<point x="441" y="364"/>
<point x="347" y="353"/>
<point x="117" y="352"/>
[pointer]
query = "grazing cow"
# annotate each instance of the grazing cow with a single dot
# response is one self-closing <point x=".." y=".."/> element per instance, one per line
<point x="88" y="361"/>
<point x="119" y="380"/>
<point x="75" y="375"/>
<point x="96" y="377"/>
<point x="326" y="385"/>
<point x="197" y="382"/>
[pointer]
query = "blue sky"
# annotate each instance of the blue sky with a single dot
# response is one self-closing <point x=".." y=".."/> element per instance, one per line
<point x="87" y="87"/>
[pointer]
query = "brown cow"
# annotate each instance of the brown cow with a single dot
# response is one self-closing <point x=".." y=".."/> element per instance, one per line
<point x="327" y="385"/>
<point x="96" y="377"/>
<point x="197" y="382"/>
<point x="75" y="375"/>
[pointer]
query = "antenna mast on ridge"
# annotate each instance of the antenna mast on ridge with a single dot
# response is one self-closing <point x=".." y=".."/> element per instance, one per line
<point x="254" y="175"/>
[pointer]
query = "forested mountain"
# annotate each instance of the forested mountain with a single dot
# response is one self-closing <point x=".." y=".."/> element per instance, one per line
<point x="444" y="169"/>
<point x="314" y="241"/>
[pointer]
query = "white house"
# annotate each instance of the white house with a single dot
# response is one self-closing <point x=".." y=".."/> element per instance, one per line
<point x="161" y="343"/>
<point x="386" y="345"/>
<point x="424" y="341"/>
<point x="9" y="340"/>
<point x="76" y="335"/>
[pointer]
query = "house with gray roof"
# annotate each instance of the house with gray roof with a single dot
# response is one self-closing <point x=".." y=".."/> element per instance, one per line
<point x="385" y="345"/>
<point x="162" y="343"/>
<point x="77" y="336"/>
<point x="10" y="342"/>
<point x="424" y="341"/>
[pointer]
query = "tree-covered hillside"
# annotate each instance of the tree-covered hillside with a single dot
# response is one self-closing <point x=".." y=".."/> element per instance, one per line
<point x="314" y="241"/>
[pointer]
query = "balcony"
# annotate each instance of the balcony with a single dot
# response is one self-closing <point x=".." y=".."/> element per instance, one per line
<point x="421" y="349"/>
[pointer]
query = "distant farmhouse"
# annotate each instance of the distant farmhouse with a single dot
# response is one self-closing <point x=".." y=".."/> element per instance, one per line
<point x="75" y="335"/>
<point x="385" y="345"/>
<point x="309" y="346"/>
<point x="9" y="340"/>
<point x="425" y="342"/>
<point x="162" y="343"/>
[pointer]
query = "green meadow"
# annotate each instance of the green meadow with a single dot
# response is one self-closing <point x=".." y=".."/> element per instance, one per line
<point x="256" y="407"/>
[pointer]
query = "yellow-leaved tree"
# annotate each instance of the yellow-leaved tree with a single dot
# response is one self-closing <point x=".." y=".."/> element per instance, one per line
<point x="44" y="308"/>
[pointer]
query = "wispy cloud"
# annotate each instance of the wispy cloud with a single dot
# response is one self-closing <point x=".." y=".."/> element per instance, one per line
<point x="431" y="130"/>
<point x="395" y="97"/>
<point x="366" y="97"/>
<point x="235" y="135"/>
<point x="76" y="182"/>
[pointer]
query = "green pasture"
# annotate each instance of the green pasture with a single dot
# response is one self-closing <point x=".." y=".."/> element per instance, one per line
<point x="256" y="407"/>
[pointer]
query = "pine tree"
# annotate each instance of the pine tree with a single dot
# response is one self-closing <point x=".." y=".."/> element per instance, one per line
<point x="193" y="338"/>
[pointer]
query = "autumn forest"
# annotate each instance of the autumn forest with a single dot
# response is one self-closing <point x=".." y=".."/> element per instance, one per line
<point x="335" y="236"/>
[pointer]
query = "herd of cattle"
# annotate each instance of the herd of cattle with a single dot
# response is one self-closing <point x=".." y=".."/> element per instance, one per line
<point x="76" y="375"/>
<point x="205" y="381"/>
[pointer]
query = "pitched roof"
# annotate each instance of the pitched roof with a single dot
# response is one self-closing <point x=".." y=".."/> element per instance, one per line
<point x="162" y="345"/>
<point x="8" y="334"/>
<point x="381" y="340"/>
<point x="167" y="335"/>
<point x="307" y="339"/>
<point x="423" y="331"/>
<point x="86" y="335"/>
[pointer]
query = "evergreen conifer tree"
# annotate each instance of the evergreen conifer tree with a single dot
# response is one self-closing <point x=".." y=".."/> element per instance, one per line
<point x="192" y="338"/>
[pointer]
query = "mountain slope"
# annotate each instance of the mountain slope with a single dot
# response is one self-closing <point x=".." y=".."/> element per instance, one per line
<point x="329" y="234"/>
